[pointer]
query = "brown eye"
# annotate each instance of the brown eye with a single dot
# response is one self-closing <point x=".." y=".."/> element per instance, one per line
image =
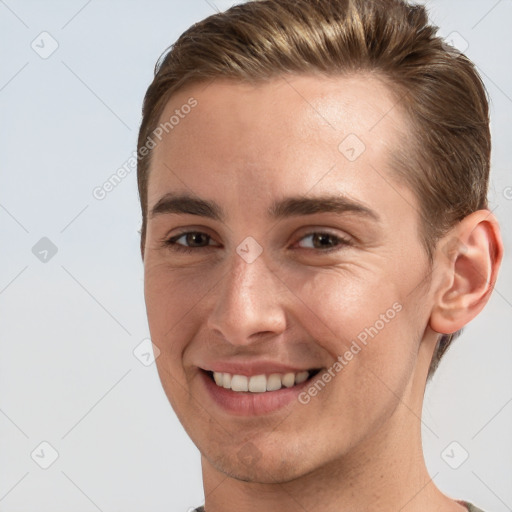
<point x="324" y="241"/>
<point x="188" y="241"/>
<point x="196" y="239"/>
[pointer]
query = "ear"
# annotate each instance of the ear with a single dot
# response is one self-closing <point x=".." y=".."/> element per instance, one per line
<point x="468" y="259"/>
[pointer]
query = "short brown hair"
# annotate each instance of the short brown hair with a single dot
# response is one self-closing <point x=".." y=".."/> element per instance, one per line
<point x="447" y="157"/>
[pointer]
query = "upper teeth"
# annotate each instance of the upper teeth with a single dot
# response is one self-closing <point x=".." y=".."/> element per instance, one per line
<point x="259" y="383"/>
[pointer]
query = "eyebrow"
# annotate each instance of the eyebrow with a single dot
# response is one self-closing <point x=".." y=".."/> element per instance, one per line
<point x="288" y="207"/>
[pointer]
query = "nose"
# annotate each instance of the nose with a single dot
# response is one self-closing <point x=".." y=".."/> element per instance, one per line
<point x="247" y="306"/>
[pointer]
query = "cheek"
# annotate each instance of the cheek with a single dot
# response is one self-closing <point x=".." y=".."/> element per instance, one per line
<point x="366" y="329"/>
<point x="336" y="305"/>
<point x="173" y="304"/>
<point x="173" y="298"/>
<point x="364" y="320"/>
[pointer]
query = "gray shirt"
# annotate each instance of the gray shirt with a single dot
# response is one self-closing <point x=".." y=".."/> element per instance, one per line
<point x="471" y="508"/>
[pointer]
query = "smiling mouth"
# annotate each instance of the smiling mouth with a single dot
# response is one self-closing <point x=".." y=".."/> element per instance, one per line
<point x="262" y="383"/>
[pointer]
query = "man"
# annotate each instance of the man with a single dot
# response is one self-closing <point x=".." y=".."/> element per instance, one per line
<point x="313" y="180"/>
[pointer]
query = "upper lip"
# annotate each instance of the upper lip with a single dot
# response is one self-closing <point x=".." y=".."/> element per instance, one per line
<point x="254" y="368"/>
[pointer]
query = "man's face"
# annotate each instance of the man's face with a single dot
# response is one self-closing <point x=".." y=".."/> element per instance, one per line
<point x="270" y="282"/>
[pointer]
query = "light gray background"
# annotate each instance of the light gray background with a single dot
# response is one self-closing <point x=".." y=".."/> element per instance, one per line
<point x="69" y="326"/>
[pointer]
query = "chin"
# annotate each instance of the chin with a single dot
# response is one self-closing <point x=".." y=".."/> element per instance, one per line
<point x="263" y="465"/>
<point x="260" y="473"/>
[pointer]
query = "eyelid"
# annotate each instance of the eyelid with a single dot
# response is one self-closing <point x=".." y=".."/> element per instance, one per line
<point x="171" y="241"/>
<point x="342" y="241"/>
<point x="185" y="230"/>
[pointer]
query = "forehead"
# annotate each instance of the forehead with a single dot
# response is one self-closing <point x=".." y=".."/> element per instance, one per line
<point x="290" y="133"/>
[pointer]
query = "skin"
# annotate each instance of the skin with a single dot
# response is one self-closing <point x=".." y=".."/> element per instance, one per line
<point x="357" y="444"/>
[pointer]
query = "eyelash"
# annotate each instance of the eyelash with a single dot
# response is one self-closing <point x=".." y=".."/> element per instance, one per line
<point x="172" y="242"/>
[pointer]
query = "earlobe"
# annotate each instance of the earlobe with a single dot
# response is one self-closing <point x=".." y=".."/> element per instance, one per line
<point x="468" y="258"/>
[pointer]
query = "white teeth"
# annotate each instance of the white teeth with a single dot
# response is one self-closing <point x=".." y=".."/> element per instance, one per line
<point x="301" y="377"/>
<point x="259" y="383"/>
<point x="226" y="380"/>
<point x="239" y="383"/>
<point x="274" y="382"/>
<point x="289" y="380"/>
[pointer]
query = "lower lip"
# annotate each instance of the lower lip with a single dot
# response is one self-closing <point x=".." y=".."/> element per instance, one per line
<point x="251" y="404"/>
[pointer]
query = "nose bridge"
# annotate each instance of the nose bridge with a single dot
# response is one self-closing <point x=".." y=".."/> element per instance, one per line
<point x="246" y="302"/>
